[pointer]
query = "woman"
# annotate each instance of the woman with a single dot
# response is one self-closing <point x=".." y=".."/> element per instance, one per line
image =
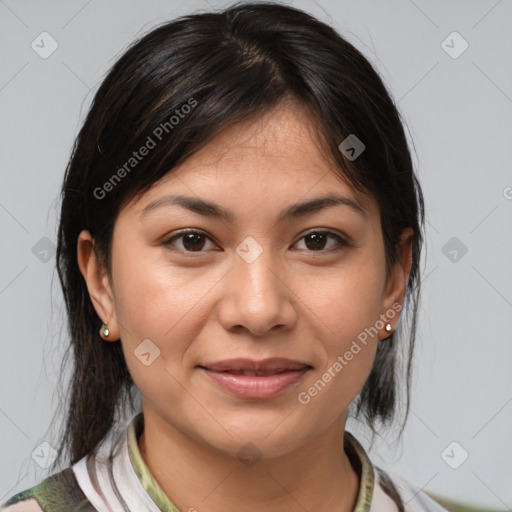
<point x="240" y="235"/>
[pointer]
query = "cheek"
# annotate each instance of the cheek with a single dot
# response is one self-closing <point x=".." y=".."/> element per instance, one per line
<point x="346" y="301"/>
<point x="347" y="307"/>
<point x="156" y="302"/>
<point x="155" y="299"/>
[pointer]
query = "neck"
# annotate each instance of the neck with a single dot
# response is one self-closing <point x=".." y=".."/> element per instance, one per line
<point x="316" y="476"/>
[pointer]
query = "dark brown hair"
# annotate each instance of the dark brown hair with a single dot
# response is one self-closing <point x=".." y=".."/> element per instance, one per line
<point x="227" y="66"/>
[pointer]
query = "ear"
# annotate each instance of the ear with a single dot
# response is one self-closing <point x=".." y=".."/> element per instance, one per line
<point x="392" y="301"/>
<point x="98" y="284"/>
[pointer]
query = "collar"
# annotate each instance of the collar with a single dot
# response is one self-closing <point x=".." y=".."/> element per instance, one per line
<point x="355" y="452"/>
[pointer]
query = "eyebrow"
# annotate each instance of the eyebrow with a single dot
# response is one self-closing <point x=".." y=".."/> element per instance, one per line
<point x="211" y="209"/>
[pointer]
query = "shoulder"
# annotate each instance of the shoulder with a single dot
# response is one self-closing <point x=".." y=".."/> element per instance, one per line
<point x="57" y="493"/>
<point x="391" y="486"/>
<point x="26" y="505"/>
<point x="384" y="490"/>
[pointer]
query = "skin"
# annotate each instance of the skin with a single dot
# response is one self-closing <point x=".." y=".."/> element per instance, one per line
<point x="292" y="301"/>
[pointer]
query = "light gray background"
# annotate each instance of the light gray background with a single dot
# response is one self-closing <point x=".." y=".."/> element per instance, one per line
<point x="458" y="111"/>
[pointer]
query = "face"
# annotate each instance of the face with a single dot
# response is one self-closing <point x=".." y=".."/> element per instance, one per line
<point x="309" y="286"/>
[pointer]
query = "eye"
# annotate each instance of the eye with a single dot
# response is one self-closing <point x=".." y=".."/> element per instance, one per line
<point x="316" y="240"/>
<point x="192" y="241"/>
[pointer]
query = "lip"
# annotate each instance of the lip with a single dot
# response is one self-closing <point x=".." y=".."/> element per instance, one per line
<point x="257" y="386"/>
<point x="285" y="373"/>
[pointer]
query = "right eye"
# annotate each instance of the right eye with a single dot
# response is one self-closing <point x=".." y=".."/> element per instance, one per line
<point x="191" y="240"/>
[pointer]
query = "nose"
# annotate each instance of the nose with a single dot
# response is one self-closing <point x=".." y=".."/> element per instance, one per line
<point x="257" y="296"/>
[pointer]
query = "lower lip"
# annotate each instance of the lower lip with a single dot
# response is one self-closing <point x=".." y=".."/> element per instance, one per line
<point x="256" y="386"/>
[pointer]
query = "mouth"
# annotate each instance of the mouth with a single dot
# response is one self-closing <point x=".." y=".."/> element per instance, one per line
<point x="251" y="379"/>
<point x="252" y="373"/>
<point x="268" y="366"/>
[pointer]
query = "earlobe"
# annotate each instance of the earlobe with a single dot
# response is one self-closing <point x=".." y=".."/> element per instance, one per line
<point x="98" y="284"/>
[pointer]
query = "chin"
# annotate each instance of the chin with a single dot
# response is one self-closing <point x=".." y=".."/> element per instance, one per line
<point x="264" y="440"/>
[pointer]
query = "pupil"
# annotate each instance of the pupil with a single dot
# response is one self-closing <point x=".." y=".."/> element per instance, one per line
<point x="190" y="241"/>
<point x="318" y="240"/>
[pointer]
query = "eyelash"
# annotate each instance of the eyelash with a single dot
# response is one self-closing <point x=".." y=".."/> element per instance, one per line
<point x="341" y="242"/>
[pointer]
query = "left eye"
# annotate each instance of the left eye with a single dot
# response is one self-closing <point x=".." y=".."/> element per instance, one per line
<point x="315" y="240"/>
<point x="194" y="241"/>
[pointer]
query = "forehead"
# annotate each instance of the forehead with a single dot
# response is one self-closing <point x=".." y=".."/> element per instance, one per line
<point x="275" y="156"/>
<point x="281" y="134"/>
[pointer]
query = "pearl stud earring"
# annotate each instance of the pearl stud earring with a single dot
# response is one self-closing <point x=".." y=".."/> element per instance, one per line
<point x="104" y="330"/>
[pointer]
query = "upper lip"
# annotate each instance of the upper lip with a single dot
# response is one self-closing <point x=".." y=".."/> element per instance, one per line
<point x="270" y="364"/>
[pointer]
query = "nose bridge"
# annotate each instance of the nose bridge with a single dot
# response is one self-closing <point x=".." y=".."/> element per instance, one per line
<point x="255" y="271"/>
